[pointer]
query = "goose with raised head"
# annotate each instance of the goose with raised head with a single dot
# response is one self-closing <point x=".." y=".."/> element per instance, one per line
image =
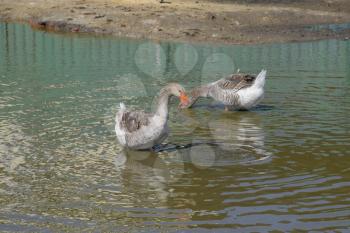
<point x="138" y="130"/>
<point x="238" y="91"/>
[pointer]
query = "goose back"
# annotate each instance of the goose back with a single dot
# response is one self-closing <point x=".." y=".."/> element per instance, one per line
<point x="133" y="121"/>
<point x="236" y="82"/>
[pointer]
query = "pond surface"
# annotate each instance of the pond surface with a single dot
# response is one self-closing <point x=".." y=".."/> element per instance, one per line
<point x="283" y="166"/>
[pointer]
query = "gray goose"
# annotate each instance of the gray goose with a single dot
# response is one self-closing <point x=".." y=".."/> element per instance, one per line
<point x="138" y="130"/>
<point x="238" y="91"/>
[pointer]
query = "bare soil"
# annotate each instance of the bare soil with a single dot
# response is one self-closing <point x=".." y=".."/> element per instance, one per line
<point x="225" y="21"/>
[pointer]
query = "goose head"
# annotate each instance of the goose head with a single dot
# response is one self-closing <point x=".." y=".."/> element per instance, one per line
<point x="186" y="104"/>
<point x="191" y="98"/>
<point x="178" y="91"/>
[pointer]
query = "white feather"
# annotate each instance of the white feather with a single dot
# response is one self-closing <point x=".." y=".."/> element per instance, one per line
<point x="260" y="79"/>
<point x="251" y="96"/>
<point x="119" y="132"/>
<point x="122" y="106"/>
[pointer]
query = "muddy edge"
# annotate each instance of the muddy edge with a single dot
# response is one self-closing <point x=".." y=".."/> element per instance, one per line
<point x="230" y="21"/>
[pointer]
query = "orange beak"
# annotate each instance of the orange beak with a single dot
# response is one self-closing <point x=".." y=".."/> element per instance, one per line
<point x="184" y="99"/>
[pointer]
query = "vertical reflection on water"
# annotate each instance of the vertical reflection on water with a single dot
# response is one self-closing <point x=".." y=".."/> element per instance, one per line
<point x="6" y="42"/>
<point x="58" y="158"/>
<point x="97" y="51"/>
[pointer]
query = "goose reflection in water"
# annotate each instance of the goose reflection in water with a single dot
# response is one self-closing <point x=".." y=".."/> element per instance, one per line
<point x="224" y="138"/>
<point x="151" y="176"/>
<point x="148" y="168"/>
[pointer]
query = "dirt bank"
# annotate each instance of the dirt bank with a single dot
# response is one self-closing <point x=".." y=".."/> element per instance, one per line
<point x="240" y="22"/>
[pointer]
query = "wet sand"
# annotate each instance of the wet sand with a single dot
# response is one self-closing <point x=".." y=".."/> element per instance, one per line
<point x="234" y="22"/>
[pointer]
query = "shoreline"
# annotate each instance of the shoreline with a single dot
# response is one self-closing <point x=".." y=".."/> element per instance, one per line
<point x="187" y="20"/>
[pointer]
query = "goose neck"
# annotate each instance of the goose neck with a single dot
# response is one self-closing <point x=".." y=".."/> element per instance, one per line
<point x="162" y="104"/>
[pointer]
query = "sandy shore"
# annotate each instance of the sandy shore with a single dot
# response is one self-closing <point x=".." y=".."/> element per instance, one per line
<point x="187" y="20"/>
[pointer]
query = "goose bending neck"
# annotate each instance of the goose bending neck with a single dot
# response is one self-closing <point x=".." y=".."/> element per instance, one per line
<point x="198" y="92"/>
<point x="162" y="104"/>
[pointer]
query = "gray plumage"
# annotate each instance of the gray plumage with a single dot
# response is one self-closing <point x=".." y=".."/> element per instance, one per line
<point x="241" y="91"/>
<point x="132" y="121"/>
<point x="140" y="130"/>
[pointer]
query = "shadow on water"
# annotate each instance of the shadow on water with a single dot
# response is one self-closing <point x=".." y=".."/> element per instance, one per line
<point x="167" y="147"/>
<point x="264" y="107"/>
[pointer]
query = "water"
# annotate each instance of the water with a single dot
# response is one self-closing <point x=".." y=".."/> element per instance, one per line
<point x="282" y="166"/>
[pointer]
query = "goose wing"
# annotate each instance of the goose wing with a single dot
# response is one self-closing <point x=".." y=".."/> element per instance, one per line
<point x="236" y="82"/>
<point x="134" y="120"/>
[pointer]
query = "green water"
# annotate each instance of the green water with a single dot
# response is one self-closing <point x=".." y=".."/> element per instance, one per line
<point x="283" y="166"/>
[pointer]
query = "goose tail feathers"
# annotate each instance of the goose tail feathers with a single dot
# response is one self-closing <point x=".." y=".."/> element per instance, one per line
<point x="260" y="79"/>
<point x="122" y="108"/>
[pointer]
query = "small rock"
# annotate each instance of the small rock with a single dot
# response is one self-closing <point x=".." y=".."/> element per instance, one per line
<point x="123" y="25"/>
<point x="42" y="23"/>
<point x="99" y="16"/>
<point x="89" y="13"/>
<point x="191" y="32"/>
<point x="109" y="20"/>
<point x="159" y="29"/>
<point x="211" y="16"/>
